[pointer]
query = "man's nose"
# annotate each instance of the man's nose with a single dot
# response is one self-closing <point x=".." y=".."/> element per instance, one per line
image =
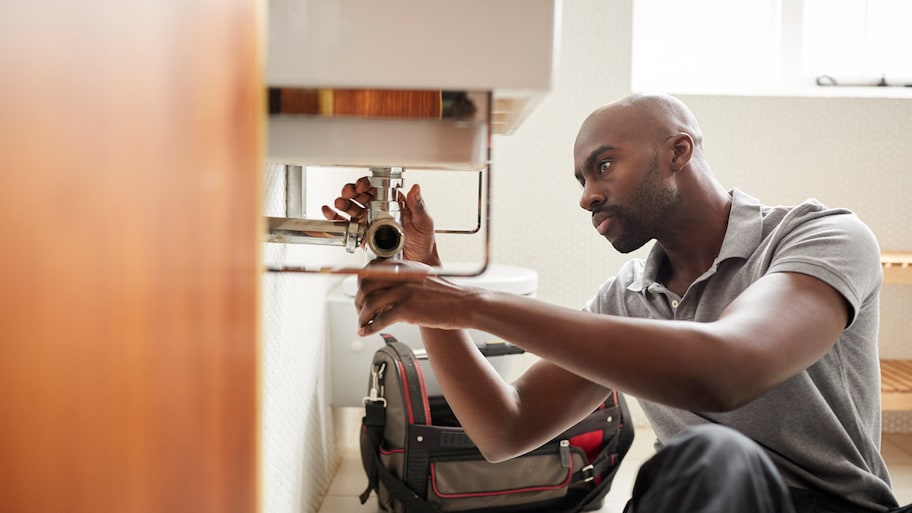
<point x="591" y="197"/>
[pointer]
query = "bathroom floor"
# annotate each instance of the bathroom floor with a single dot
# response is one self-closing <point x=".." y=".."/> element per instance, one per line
<point x="350" y="481"/>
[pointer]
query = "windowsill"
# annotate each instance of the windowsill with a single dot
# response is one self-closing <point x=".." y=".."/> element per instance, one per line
<point x="890" y="92"/>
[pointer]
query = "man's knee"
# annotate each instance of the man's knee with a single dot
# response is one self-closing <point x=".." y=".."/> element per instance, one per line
<point x="709" y="443"/>
<point x="710" y="468"/>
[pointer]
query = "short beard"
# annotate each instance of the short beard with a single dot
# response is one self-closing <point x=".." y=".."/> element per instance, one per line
<point x="643" y="215"/>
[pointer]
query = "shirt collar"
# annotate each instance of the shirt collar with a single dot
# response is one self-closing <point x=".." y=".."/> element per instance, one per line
<point x="742" y="236"/>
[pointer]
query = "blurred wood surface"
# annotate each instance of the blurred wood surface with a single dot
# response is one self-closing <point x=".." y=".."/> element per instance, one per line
<point x="388" y="103"/>
<point x="385" y="103"/>
<point x="130" y="180"/>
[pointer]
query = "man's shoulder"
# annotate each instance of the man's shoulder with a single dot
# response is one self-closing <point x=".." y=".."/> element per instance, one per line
<point x="811" y="214"/>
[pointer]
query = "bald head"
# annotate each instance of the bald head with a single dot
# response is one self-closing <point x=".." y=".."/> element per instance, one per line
<point x="643" y="175"/>
<point x="646" y="117"/>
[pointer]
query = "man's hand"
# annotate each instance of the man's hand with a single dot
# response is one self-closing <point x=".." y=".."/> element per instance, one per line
<point x="353" y="200"/>
<point x="420" y="244"/>
<point x="417" y="225"/>
<point x="404" y="295"/>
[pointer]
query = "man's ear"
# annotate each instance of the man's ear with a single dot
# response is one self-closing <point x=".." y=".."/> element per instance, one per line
<point x="683" y="146"/>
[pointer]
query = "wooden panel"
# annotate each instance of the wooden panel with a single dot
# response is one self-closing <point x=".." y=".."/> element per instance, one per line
<point x="389" y="103"/>
<point x="129" y="210"/>
<point x="897" y="267"/>
<point x="896" y="384"/>
<point x="896" y="375"/>
<point x="369" y="103"/>
<point x="896" y="401"/>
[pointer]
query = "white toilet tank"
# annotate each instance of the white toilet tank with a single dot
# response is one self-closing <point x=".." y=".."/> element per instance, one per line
<point x="351" y="355"/>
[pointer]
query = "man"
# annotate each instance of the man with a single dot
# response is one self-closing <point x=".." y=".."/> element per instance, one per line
<point x="749" y="333"/>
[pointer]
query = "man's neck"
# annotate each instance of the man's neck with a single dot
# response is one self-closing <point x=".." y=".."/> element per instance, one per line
<point x="695" y="242"/>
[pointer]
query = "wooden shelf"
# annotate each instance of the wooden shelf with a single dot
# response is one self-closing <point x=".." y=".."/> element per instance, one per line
<point x="896" y="385"/>
<point x="896" y="375"/>
<point x="897" y="267"/>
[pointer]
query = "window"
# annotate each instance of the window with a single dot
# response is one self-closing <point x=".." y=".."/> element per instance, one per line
<point x="857" y="40"/>
<point x="769" y="46"/>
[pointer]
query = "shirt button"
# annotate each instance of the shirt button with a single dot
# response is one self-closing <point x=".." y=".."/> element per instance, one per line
<point x="674" y="304"/>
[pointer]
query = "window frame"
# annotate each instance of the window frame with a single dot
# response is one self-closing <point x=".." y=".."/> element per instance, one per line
<point x="792" y="79"/>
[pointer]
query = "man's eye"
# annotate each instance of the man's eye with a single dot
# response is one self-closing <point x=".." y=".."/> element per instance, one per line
<point x="603" y="167"/>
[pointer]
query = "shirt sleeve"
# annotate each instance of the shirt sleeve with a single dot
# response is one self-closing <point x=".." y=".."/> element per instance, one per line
<point x="834" y="246"/>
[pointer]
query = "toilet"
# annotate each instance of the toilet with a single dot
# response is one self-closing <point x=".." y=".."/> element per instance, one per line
<point x="350" y="355"/>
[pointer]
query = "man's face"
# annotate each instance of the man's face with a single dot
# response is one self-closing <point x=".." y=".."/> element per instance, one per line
<point x="624" y="187"/>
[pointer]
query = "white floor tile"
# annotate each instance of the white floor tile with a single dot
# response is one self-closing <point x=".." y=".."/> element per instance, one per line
<point x="350" y="478"/>
<point x="347" y="504"/>
<point x="612" y="507"/>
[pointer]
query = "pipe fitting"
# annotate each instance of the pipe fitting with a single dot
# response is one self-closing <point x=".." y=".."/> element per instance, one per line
<point x="385" y="237"/>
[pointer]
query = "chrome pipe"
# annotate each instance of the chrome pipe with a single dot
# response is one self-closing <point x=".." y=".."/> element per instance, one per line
<point x="322" y="233"/>
<point x="385" y="236"/>
<point x="295" y="192"/>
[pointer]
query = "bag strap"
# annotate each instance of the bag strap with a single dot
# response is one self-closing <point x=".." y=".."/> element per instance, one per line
<point x="373" y="423"/>
<point x="379" y="473"/>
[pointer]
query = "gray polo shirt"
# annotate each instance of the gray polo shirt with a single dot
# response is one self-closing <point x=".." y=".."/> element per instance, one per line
<point x="822" y="426"/>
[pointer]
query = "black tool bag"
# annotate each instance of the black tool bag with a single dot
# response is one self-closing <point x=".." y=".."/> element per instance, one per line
<point x="419" y="466"/>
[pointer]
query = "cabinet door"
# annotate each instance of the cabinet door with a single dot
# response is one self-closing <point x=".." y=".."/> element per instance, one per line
<point x="129" y="256"/>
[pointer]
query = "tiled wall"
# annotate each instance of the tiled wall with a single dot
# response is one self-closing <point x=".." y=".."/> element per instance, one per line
<point x="301" y="436"/>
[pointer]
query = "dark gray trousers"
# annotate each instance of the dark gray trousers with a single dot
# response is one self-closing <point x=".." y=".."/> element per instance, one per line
<point x="715" y="469"/>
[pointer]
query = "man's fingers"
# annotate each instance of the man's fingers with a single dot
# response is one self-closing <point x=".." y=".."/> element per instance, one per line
<point x="349" y="207"/>
<point x="363" y="185"/>
<point x="355" y="197"/>
<point x="349" y="191"/>
<point x="331" y="214"/>
<point x="371" y="315"/>
<point x="415" y="201"/>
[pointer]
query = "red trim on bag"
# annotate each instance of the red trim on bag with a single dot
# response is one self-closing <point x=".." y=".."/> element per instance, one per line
<point x="424" y="396"/>
<point x="390" y="451"/>
<point x="499" y="492"/>
<point x="405" y="389"/>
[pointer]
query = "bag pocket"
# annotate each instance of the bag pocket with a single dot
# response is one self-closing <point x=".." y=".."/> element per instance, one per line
<point x="458" y="484"/>
<point x="394" y="460"/>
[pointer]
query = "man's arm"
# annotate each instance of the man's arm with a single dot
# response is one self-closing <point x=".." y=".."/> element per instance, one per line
<point x="779" y="326"/>
<point x="506" y="420"/>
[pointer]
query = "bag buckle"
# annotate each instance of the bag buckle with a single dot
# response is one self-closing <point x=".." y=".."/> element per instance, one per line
<point x="588" y="473"/>
<point x="375" y="394"/>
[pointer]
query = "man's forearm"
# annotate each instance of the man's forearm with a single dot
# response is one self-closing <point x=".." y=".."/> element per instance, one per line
<point x="485" y="404"/>
<point x="655" y="360"/>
